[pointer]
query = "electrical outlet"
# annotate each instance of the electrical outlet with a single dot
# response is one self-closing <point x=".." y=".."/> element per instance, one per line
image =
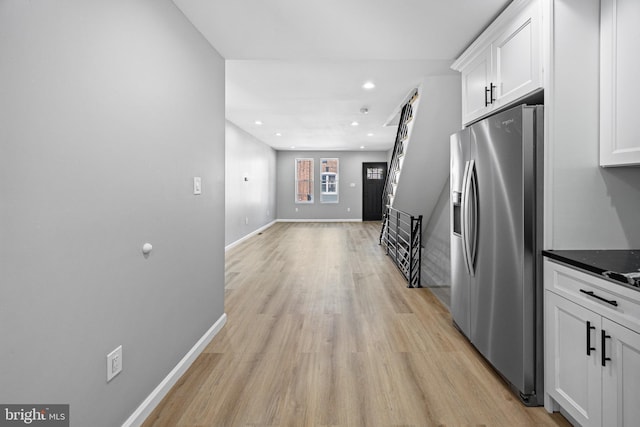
<point x="246" y="220"/>
<point x="348" y="209"/>
<point x="197" y="185"/>
<point x="114" y="363"/>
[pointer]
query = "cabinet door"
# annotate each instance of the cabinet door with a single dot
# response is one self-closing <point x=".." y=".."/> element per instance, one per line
<point x="620" y="376"/>
<point x="518" y="67"/>
<point x="475" y="82"/>
<point x="573" y="378"/>
<point x="619" y="82"/>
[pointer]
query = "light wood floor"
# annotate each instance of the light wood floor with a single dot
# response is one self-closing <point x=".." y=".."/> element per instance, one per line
<point x="322" y="331"/>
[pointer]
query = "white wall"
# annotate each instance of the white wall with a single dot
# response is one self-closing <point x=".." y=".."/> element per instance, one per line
<point x="350" y="198"/>
<point x="108" y="109"/>
<point x="249" y="204"/>
<point x="588" y="207"/>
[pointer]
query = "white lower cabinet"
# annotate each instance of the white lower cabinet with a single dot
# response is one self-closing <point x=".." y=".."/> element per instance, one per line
<point x="621" y="376"/>
<point x="592" y="363"/>
<point x="572" y="376"/>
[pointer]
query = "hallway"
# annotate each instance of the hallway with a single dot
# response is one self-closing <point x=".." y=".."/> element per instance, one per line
<point x="322" y="331"/>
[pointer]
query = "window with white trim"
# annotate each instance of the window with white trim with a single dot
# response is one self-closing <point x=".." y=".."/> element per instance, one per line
<point x="329" y="180"/>
<point x="304" y="181"/>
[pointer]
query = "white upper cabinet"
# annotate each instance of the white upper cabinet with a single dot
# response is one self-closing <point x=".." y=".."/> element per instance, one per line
<point x="504" y="63"/>
<point x="517" y="61"/>
<point x="475" y="83"/>
<point x="619" y="82"/>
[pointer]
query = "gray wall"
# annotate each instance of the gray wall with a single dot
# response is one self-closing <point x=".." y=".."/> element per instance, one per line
<point x="250" y="204"/>
<point x="588" y="206"/>
<point x="426" y="164"/>
<point x="350" y="169"/>
<point x="424" y="182"/>
<point x="436" y="239"/>
<point x="108" y="109"/>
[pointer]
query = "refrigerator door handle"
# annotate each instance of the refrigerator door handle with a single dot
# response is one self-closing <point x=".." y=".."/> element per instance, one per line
<point x="468" y="216"/>
<point x="464" y="223"/>
<point x="471" y="217"/>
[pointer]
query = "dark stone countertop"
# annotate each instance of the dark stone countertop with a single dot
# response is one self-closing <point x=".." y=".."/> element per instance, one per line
<point x="619" y="265"/>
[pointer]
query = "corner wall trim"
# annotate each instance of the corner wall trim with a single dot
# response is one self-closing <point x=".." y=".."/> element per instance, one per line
<point x="149" y="404"/>
<point x="253" y="233"/>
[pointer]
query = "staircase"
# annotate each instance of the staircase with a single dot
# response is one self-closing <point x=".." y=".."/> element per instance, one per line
<point x="399" y="149"/>
<point x="417" y="181"/>
<point x="401" y="232"/>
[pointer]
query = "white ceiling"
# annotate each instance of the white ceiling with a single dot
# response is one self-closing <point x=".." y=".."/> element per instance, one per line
<point x="299" y="65"/>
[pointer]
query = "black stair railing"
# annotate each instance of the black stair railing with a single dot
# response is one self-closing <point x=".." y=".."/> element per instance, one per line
<point x="397" y="155"/>
<point x="402" y="237"/>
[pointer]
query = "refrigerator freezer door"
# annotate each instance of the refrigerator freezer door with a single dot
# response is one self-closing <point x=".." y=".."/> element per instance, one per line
<point x="460" y="279"/>
<point x="500" y="327"/>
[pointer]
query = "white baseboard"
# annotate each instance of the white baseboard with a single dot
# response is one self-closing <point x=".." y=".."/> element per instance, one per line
<point x="253" y="233"/>
<point x="320" y="220"/>
<point x="149" y="404"/>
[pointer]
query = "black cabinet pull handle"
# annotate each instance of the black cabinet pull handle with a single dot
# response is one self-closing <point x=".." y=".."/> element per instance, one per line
<point x="492" y="86"/>
<point x="592" y="294"/>
<point x="604" y="349"/>
<point x="589" y="348"/>
<point x="486" y="92"/>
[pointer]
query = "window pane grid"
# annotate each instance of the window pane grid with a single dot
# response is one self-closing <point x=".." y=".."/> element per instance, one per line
<point x="329" y="180"/>
<point x="375" y="173"/>
<point x="304" y="181"/>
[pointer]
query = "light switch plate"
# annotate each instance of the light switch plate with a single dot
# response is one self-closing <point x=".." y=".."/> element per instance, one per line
<point x="114" y="363"/>
<point x="197" y="185"/>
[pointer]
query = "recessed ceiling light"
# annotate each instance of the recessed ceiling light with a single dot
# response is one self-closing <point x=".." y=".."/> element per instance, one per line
<point x="369" y="134"/>
<point x="368" y="85"/>
<point x="293" y="147"/>
<point x="278" y="134"/>
<point x="258" y="122"/>
<point x="362" y="147"/>
<point x="354" y="123"/>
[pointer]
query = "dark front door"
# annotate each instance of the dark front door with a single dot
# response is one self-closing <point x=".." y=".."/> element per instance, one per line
<point x="373" y="178"/>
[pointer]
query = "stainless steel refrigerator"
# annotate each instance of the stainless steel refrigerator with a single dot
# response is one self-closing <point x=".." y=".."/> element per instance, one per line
<point x="496" y="214"/>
